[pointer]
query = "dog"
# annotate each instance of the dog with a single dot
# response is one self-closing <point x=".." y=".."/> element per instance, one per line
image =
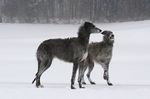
<point x="100" y="52"/>
<point x="72" y="50"/>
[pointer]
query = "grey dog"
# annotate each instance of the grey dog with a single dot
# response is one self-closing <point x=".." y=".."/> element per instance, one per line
<point x="100" y="52"/>
<point x="70" y="50"/>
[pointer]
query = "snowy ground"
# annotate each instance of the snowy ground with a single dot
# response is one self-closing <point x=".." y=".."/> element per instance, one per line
<point x="129" y="68"/>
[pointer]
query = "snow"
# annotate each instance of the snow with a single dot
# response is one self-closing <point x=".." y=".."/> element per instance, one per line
<point x="129" y="68"/>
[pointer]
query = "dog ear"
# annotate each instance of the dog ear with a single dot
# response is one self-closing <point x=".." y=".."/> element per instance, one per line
<point x="87" y="24"/>
<point x="104" y="32"/>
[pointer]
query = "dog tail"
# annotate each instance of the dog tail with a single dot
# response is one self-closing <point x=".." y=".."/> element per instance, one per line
<point x="33" y="80"/>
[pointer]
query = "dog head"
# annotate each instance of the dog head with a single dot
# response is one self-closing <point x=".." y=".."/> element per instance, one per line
<point x="108" y="36"/>
<point x="91" y="28"/>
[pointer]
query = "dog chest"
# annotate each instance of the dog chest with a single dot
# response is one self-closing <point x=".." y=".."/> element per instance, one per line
<point x="84" y="56"/>
<point x="101" y="57"/>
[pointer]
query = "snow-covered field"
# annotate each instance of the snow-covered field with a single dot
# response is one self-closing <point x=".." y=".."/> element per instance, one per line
<point x="129" y="68"/>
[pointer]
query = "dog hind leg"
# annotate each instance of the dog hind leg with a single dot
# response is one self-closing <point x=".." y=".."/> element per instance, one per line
<point x="90" y="68"/>
<point x="84" y="69"/>
<point x="39" y="62"/>
<point x="42" y="67"/>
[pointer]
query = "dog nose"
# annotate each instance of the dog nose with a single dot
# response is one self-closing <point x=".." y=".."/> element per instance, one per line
<point x="112" y="35"/>
<point x="99" y="30"/>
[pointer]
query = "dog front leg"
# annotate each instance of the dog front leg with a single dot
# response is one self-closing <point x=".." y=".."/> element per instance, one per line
<point x="106" y="75"/>
<point x="75" y="67"/>
<point x="81" y="74"/>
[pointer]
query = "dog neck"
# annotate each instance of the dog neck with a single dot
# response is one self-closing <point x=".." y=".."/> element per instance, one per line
<point x="83" y="36"/>
<point x="108" y="43"/>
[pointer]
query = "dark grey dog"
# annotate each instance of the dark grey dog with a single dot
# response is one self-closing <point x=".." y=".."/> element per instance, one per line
<point x="101" y="53"/>
<point x="70" y="50"/>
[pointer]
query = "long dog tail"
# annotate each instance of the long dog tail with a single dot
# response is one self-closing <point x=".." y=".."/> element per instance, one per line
<point x="34" y="80"/>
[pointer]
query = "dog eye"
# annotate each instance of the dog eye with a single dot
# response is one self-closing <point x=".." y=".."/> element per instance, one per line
<point x="93" y="26"/>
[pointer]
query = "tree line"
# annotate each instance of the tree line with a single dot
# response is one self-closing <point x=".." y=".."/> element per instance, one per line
<point x="73" y="11"/>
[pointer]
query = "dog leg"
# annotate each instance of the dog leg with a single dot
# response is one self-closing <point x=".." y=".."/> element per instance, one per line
<point x="106" y="75"/>
<point x="83" y="81"/>
<point x="81" y="74"/>
<point x="75" y="67"/>
<point x="38" y="82"/>
<point x="39" y="63"/>
<point x="90" y="68"/>
<point x="84" y="69"/>
<point x="43" y="66"/>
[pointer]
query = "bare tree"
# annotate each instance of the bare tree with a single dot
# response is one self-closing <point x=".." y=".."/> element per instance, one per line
<point x="69" y="11"/>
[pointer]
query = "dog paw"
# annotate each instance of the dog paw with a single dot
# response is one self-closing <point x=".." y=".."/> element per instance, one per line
<point x="40" y="86"/>
<point x="72" y="87"/>
<point x="82" y="87"/>
<point x="93" y="83"/>
<point x="84" y="83"/>
<point x="110" y="84"/>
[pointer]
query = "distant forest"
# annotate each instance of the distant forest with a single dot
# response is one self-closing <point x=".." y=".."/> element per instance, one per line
<point x="73" y="11"/>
